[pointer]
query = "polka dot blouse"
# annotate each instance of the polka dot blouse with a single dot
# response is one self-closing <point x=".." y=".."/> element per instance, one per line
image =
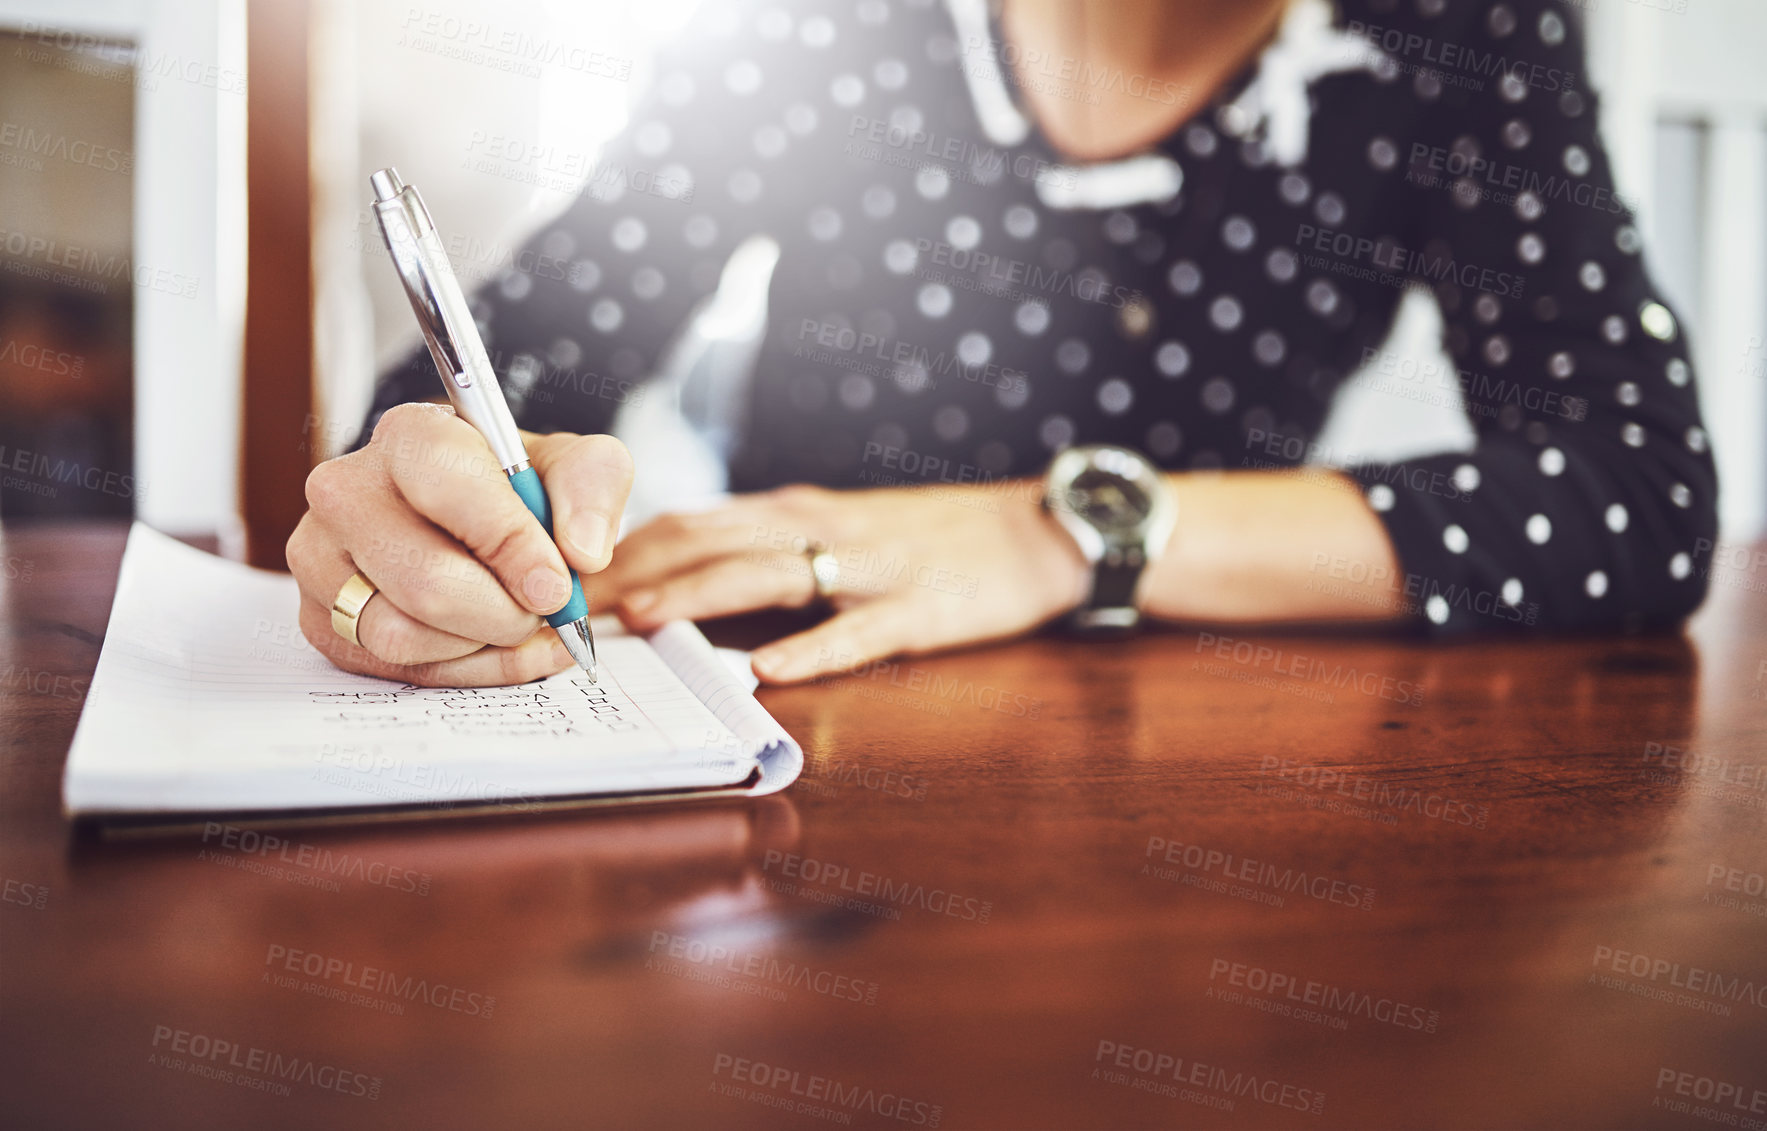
<point x="954" y="302"/>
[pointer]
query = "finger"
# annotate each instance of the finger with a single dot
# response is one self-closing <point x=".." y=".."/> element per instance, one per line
<point x="738" y="584"/>
<point x="447" y="473"/>
<point x="539" y="656"/>
<point x="675" y="543"/>
<point x="588" y="479"/>
<point x="857" y="636"/>
<point x="322" y="567"/>
<point x="427" y="574"/>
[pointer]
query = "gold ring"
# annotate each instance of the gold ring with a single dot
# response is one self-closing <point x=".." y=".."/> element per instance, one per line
<point x="346" y="607"/>
<point x="825" y="569"/>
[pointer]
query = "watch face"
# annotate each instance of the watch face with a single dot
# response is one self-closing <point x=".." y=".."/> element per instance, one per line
<point x="1113" y="504"/>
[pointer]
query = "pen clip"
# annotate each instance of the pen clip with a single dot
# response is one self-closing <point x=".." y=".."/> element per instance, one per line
<point x="404" y="220"/>
<point x="443" y="315"/>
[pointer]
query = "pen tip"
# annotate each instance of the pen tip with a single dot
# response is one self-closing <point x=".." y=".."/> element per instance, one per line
<point x="579" y="641"/>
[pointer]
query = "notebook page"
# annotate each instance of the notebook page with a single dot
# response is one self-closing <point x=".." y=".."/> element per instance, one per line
<point x="752" y="732"/>
<point x="207" y="696"/>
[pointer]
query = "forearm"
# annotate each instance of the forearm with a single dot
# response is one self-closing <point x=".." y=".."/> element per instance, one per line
<point x="1254" y="546"/>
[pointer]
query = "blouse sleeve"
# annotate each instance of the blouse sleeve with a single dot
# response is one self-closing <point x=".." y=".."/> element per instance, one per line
<point x="1592" y="484"/>
<point x="580" y="315"/>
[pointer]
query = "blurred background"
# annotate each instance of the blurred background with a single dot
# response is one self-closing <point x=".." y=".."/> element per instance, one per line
<point x="193" y="298"/>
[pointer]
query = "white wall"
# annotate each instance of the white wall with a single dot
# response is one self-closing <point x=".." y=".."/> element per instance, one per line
<point x="431" y="92"/>
<point x="189" y="244"/>
<point x="1686" y="118"/>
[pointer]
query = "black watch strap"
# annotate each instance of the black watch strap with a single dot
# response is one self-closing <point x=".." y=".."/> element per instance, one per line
<point x="1112" y="603"/>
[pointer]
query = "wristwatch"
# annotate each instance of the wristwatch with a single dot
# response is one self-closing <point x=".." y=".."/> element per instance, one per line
<point x="1120" y="512"/>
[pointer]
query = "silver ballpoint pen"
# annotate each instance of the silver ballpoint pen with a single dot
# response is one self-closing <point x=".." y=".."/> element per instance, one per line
<point x="466" y="371"/>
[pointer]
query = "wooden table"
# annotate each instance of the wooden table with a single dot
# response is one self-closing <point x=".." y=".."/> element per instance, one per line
<point x="1157" y="883"/>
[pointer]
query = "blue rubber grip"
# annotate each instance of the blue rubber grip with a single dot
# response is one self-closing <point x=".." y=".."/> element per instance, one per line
<point x="533" y="493"/>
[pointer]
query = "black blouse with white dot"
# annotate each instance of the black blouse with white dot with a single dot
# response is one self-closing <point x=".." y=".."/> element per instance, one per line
<point x="938" y="314"/>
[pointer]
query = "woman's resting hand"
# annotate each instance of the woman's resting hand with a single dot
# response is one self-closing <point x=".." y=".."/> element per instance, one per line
<point x="921" y="569"/>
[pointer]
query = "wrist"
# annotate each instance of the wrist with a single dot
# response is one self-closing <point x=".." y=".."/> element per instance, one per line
<point x="1055" y="558"/>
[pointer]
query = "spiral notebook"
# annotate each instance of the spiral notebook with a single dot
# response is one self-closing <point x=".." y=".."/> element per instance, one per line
<point x="208" y="700"/>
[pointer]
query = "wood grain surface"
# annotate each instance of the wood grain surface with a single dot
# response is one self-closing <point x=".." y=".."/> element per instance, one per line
<point x="1168" y="882"/>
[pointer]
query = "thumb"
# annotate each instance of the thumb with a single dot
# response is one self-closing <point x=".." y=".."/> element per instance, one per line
<point x="588" y="479"/>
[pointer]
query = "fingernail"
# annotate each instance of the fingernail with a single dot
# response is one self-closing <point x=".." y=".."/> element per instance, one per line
<point x="768" y="662"/>
<point x="545" y="589"/>
<point x="589" y="531"/>
<point x="640" y="599"/>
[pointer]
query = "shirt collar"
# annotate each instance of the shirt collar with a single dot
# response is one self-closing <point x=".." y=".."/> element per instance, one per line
<point x="1274" y="104"/>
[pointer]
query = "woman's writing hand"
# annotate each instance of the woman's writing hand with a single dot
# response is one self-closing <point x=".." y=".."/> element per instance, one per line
<point x="462" y="571"/>
<point x="920" y="569"/>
